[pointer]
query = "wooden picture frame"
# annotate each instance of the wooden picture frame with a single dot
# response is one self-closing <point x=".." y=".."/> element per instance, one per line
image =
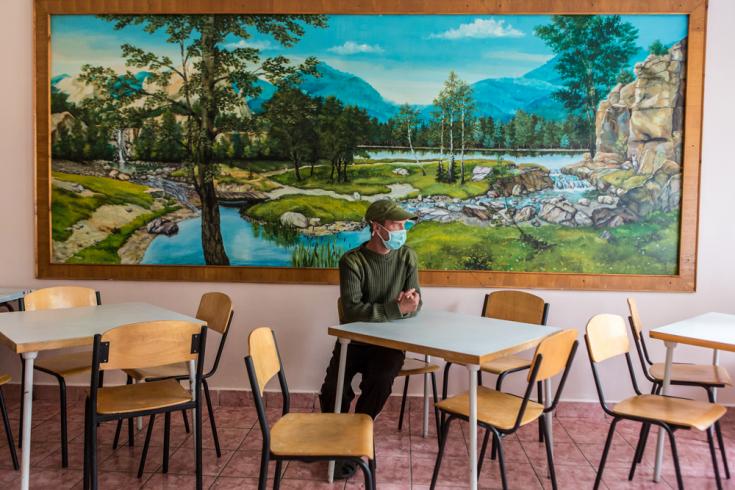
<point x="684" y="280"/>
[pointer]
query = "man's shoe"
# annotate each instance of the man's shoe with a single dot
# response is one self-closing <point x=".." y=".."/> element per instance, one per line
<point x="344" y="469"/>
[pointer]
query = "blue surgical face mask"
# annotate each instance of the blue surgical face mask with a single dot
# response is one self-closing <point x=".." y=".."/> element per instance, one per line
<point x="396" y="239"/>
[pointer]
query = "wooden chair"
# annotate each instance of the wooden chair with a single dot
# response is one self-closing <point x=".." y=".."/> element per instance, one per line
<point x="216" y="310"/>
<point x="514" y="306"/>
<point x="60" y="366"/>
<point x="410" y="368"/>
<point x="4" y="378"/>
<point x="504" y="413"/>
<point x="706" y="376"/>
<point x="606" y="338"/>
<point x="139" y="346"/>
<point x="303" y="436"/>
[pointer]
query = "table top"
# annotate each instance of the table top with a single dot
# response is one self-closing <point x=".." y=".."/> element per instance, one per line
<point x="11" y="294"/>
<point x="27" y="331"/>
<point x="455" y="337"/>
<point x="712" y="330"/>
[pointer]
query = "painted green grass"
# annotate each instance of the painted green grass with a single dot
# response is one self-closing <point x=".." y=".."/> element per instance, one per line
<point x="374" y="178"/>
<point x="69" y="207"/>
<point x="648" y="247"/>
<point x="327" y="209"/>
<point x="625" y="179"/>
<point x="105" y="251"/>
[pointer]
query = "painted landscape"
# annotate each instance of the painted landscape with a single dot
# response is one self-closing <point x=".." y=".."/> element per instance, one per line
<point x="522" y="143"/>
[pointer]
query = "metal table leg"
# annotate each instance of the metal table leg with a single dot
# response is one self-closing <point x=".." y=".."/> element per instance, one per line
<point x="25" y="464"/>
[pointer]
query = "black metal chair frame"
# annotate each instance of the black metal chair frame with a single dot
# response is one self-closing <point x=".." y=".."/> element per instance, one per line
<point x="92" y="419"/>
<point x="646" y="363"/>
<point x="498" y="434"/>
<point x="499" y="381"/>
<point x="645" y="428"/>
<point x="62" y="396"/>
<point x="207" y="396"/>
<point x="266" y="455"/>
<point x="404" y="397"/>
<point x="8" y="432"/>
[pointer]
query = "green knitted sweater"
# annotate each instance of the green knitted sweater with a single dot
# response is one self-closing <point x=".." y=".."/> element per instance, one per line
<point x="370" y="283"/>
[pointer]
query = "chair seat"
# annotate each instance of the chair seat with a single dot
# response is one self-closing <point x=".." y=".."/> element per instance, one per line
<point x="67" y="364"/>
<point x="180" y="369"/>
<point x="507" y="363"/>
<point x="674" y="411"/>
<point x="4" y="378"/>
<point x="415" y="366"/>
<point x="493" y="408"/>
<point x="701" y="374"/>
<point x="323" y="434"/>
<point x="142" y="396"/>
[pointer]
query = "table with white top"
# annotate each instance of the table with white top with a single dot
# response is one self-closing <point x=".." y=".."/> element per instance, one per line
<point x="457" y="338"/>
<point x="12" y="294"/>
<point x="29" y="332"/>
<point x="711" y="330"/>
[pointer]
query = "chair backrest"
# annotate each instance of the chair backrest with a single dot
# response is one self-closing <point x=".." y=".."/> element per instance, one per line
<point x="635" y="318"/>
<point x="606" y="337"/>
<point x="216" y="310"/>
<point x="554" y="352"/>
<point x="60" y="297"/>
<point x="340" y="311"/>
<point x="264" y="355"/>
<point x="515" y="306"/>
<point x="150" y="344"/>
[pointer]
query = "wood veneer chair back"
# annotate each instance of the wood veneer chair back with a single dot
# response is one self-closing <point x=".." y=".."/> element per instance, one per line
<point x="60" y="297"/>
<point x="515" y="306"/>
<point x="264" y="355"/>
<point x="215" y="309"/>
<point x="635" y="318"/>
<point x="606" y="337"/>
<point x="149" y="344"/>
<point x="554" y="352"/>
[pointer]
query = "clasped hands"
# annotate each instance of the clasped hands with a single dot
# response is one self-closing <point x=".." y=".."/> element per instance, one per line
<point x="408" y="301"/>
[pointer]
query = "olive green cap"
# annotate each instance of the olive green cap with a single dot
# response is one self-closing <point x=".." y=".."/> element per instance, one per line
<point x="385" y="209"/>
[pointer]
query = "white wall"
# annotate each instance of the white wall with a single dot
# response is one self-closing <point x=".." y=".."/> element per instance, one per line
<point x="300" y="314"/>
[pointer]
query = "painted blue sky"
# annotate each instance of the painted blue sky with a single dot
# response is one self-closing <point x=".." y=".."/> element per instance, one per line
<point x="406" y="58"/>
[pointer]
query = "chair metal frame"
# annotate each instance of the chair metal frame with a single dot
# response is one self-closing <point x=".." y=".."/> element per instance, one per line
<point x="266" y="455"/>
<point x="180" y="378"/>
<point x="62" y="396"/>
<point x="8" y="431"/>
<point x="656" y="386"/>
<point x="498" y="434"/>
<point x="645" y="428"/>
<point x="92" y="419"/>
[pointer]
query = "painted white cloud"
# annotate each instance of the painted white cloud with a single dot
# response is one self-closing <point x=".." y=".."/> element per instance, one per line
<point x="242" y="43"/>
<point x="517" y="56"/>
<point x="351" y="47"/>
<point x="480" y="29"/>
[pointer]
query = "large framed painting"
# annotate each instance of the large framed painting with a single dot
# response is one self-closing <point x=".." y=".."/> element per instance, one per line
<point x="243" y="141"/>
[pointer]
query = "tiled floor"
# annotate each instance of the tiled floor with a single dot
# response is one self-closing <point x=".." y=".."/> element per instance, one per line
<point x="405" y="459"/>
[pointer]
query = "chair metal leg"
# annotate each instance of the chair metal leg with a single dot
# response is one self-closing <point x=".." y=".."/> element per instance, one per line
<point x="540" y="390"/>
<point x="549" y="452"/>
<point x="166" y="440"/>
<point x="403" y="403"/>
<point x="723" y="450"/>
<point x="369" y="479"/>
<point x="263" y="475"/>
<point x="610" y="434"/>
<point x="373" y="466"/>
<point x="186" y="421"/>
<point x="64" y="441"/>
<point x="713" y="453"/>
<point x="501" y="459"/>
<point x="212" y="422"/>
<point x="675" y="456"/>
<point x="117" y="434"/>
<point x="483" y="449"/>
<point x="198" y="441"/>
<point x="440" y="454"/>
<point x="86" y="468"/>
<point x="277" y="476"/>
<point x="436" y="410"/>
<point x="639" y="449"/>
<point x="8" y="433"/>
<point x="147" y="443"/>
<point x="92" y="427"/>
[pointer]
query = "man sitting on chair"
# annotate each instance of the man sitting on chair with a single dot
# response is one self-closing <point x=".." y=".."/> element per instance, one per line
<point x="378" y="283"/>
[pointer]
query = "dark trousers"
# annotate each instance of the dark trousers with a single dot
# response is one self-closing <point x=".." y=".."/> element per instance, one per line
<point x="378" y="365"/>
